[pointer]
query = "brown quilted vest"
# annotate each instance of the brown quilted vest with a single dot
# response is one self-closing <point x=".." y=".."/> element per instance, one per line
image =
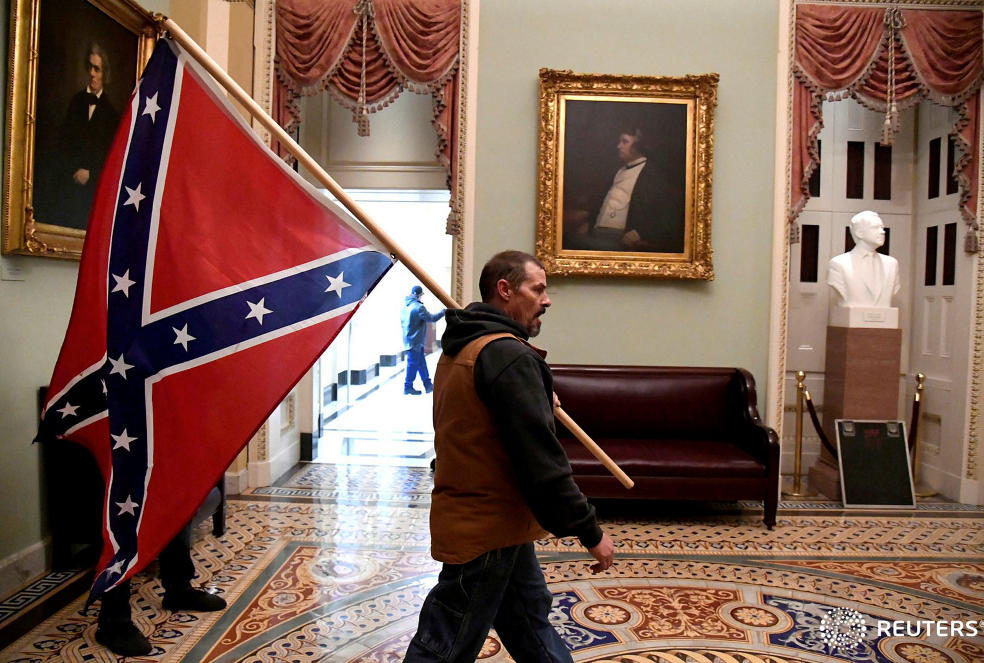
<point x="477" y="505"/>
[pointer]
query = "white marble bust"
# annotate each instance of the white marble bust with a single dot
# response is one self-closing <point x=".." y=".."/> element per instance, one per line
<point x="862" y="277"/>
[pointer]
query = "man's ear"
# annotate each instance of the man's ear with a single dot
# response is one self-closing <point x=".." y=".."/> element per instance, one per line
<point x="503" y="289"/>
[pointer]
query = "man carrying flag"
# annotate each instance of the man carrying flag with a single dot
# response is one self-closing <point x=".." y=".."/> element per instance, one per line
<point x="211" y="280"/>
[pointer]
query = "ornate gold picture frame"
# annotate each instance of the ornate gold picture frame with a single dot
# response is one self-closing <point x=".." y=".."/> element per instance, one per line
<point x="625" y="173"/>
<point x="73" y="66"/>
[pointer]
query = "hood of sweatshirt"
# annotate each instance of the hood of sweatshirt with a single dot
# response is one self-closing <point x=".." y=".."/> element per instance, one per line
<point x="474" y="321"/>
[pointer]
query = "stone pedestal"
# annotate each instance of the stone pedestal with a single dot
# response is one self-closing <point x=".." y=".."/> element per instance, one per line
<point x="861" y="381"/>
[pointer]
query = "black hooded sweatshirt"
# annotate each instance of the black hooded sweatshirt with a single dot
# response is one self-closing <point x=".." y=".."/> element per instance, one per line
<point x="517" y="386"/>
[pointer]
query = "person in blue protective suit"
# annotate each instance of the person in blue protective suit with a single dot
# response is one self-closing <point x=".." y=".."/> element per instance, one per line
<point x="414" y="318"/>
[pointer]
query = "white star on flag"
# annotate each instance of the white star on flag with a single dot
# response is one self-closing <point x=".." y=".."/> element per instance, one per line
<point x="116" y="568"/>
<point x="123" y="283"/>
<point x="151" y="108"/>
<point x="257" y="310"/>
<point x="68" y="410"/>
<point x="134" y="197"/>
<point x="119" y="366"/>
<point x="122" y="441"/>
<point x="105" y="391"/>
<point x="127" y="507"/>
<point x="182" y="337"/>
<point x="337" y="284"/>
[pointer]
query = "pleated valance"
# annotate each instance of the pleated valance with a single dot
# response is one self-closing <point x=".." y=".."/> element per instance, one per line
<point x="365" y="53"/>
<point x="845" y="51"/>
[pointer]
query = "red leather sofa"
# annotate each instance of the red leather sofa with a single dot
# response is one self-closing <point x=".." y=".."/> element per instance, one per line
<point x="680" y="433"/>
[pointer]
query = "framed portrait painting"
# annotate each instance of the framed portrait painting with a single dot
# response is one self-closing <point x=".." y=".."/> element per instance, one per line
<point x="625" y="174"/>
<point x="74" y="66"/>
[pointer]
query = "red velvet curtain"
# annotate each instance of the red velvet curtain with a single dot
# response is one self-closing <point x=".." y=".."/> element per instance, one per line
<point x="844" y="51"/>
<point x="365" y="53"/>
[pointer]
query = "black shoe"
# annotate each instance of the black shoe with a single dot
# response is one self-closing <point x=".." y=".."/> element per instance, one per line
<point x="123" y="640"/>
<point x="428" y="388"/>
<point x="193" y="600"/>
<point x="410" y="391"/>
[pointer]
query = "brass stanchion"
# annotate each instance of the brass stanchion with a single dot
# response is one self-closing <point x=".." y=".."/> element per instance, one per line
<point x="797" y="489"/>
<point x="917" y="438"/>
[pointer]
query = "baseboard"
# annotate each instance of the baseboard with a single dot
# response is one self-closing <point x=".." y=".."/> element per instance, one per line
<point x="947" y="484"/>
<point x="308" y="445"/>
<point x="236" y="482"/>
<point x="264" y="473"/>
<point x="22" y="567"/>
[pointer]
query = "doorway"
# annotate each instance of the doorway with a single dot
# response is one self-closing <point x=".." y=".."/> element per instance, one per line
<point x="366" y="419"/>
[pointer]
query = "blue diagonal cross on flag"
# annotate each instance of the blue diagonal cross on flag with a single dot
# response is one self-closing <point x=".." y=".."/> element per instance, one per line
<point x="212" y="278"/>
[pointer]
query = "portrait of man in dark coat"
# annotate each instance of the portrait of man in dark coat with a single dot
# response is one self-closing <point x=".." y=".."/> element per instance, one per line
<point x="85" y="136"/>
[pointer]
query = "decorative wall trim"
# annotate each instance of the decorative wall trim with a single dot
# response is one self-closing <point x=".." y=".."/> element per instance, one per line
<point x="778" y="303"/>
<point x="464" y="195"/>
<point x="289" y="422"/>
<point x="977" y="352"/>
<point x="260" y="440"/>
<point x="264" y="23"/>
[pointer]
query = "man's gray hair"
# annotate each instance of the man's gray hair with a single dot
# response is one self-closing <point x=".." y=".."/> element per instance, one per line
<point x="96" y="49"/>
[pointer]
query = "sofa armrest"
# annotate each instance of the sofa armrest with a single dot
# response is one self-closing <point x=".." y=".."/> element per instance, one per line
<point x="757" y="439"/>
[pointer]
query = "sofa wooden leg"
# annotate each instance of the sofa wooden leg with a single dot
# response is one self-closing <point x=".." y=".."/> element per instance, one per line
<point x="771" y="506"/>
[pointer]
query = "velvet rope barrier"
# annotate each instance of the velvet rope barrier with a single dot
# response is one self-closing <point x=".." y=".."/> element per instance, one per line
<point x="816" y="424"/>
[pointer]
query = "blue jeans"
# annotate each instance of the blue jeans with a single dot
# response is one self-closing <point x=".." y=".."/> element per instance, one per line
<point x="416" y="363"/>
<point x="504" y="588"/>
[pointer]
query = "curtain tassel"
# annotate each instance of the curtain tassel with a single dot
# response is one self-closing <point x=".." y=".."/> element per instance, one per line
<point x="971" y="241"/>
<point x="894" y="22"/>
<point x="361" y="113"/>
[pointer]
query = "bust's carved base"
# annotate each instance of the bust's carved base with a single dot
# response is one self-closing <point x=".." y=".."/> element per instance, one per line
<point x="861" y="381"/>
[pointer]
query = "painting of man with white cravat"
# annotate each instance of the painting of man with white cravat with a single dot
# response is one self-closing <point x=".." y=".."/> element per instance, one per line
<point x="642" y="207"/>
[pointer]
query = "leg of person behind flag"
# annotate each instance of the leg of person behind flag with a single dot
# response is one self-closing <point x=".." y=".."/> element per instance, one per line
<point x="117" y="631"/>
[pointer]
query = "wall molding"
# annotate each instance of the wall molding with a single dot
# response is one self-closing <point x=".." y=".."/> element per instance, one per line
<point x="24" y="566"/>
<point x="264" y="473"/>
<point x="236" y="482"/>
<point x="264" y="23"/>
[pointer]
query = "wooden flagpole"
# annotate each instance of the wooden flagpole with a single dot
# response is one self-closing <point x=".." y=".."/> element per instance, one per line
<point x="340" y="194"/>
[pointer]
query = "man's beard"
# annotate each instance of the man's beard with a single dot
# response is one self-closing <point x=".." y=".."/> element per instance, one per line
<point x="533" y="329"/>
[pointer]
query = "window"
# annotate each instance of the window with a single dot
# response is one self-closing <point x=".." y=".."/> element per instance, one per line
<point x="934" y="168"/>
<point x="951" y="161"/>
<point x="932" y="235"/>
<point x="855" y="169"/>
<point x="815" y="177"/>
<point x="949" y="253"/>
<point x="883" y="172"/>
<point x="809" y="253"/>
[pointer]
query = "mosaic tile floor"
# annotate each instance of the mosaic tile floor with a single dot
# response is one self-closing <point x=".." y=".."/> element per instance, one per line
<point x="332" y="565"/>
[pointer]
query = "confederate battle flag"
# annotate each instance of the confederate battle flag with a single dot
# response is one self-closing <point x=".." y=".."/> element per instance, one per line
<point x="212" y="278"/>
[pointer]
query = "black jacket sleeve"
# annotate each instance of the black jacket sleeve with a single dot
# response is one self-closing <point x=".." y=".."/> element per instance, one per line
<point x="509" y="378"/>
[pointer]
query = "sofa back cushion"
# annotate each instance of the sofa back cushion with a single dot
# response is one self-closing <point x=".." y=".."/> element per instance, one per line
<point x="641" y="402"/>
